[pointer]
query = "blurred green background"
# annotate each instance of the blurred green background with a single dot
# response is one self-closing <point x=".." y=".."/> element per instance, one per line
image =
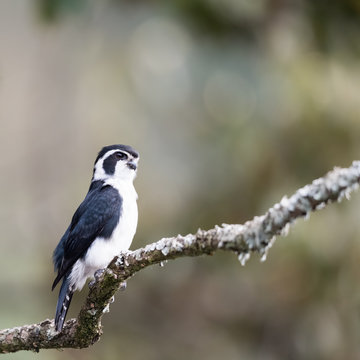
<point x="232" y="104"/>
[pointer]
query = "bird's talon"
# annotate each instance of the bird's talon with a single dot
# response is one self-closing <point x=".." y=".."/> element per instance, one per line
<point x="122" y="286"/>
<point x="98" y="274"/>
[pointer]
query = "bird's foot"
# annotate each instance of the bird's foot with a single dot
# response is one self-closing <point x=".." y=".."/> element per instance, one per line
<point x="97" y="276"/>
<point x="122" y="286"/>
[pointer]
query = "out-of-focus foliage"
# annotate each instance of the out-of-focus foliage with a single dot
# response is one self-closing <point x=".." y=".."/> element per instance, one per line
<point x="232" y="104"/>
<point x="329" y="22"/>
<point x="52" y="10"/>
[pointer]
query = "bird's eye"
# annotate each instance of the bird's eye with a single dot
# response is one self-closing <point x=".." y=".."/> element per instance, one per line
<point x="121" y="156"/>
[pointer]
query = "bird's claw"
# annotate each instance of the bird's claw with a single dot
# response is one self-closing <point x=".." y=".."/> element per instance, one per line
<point x="98" y="274"/>
<point x="122" y="286"/>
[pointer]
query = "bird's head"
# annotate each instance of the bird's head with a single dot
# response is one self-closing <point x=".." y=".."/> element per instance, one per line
<point x="116" y="162"/>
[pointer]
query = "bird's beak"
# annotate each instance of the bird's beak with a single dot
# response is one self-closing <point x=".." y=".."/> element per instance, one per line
<point x="132" y="165"/>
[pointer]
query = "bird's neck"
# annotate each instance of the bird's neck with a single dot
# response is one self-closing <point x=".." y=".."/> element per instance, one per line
<point x="125" y="187"/>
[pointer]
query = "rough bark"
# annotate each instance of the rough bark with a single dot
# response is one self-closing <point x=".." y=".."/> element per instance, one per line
<point x="256" y="235"/>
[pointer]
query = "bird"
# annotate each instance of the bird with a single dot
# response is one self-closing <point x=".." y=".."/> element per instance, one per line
<point x="102" y="227"/>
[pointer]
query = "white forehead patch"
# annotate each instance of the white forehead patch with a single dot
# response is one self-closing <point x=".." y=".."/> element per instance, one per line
<point x="121" y="171"/>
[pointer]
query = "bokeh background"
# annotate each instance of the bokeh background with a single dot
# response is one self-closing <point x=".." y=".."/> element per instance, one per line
<point x="232" y="104"/>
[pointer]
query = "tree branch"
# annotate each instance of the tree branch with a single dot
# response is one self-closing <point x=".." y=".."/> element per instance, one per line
<point x="256" y="235"/>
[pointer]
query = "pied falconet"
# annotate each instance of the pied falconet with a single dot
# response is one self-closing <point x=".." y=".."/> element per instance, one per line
<point x="103" y="225"/>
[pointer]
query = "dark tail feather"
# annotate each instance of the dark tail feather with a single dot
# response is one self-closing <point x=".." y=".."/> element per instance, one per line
<point x="57" y="279"/>
<point x="63" y="303"/>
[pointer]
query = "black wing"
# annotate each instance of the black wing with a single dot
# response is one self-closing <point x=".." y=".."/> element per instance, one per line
<point x="97" y="216"/>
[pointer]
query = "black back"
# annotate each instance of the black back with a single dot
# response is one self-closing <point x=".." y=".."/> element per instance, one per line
<point x="97" y="216"/>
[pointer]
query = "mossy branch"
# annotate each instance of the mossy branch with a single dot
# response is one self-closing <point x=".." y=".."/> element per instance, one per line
<point x="256" y="235"/>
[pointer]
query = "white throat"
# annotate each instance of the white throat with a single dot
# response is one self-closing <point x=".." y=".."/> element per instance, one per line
<point x="125" y="187"/>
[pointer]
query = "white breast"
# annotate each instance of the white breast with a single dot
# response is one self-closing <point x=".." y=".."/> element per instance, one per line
<point x="102" y="251"/>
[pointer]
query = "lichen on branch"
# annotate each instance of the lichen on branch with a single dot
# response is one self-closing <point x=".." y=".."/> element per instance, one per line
<point x="256" y="235"/>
